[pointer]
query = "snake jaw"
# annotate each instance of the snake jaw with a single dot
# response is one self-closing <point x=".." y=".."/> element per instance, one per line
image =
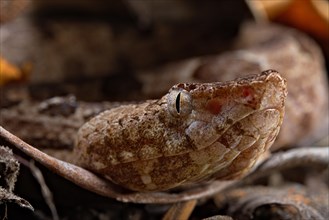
<point x="201" y="133"/>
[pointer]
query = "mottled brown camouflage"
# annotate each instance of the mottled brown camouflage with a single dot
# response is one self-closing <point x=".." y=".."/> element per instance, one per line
<point x="196" y="132"/>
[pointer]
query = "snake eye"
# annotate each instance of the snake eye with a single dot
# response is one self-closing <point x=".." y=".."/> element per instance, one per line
<point x="179" y="103"/>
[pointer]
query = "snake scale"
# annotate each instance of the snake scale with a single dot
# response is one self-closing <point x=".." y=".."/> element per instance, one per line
<point x="193" y="133"/>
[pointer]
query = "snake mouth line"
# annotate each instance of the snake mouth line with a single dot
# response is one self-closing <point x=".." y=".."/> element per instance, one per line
<point x="222" y="132"/>
<point x="229" y="127"/>
<point x="244" y="117"/>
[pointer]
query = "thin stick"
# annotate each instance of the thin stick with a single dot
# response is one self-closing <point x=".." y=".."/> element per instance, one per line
<point x="91" y="182"/>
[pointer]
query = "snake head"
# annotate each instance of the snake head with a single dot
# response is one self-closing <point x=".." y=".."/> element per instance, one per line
<point x="237" y="120"/>
<point x="196" y="132"/>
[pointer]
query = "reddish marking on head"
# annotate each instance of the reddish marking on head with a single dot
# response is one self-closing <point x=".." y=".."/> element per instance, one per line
<point x="247" y="92"/>
<point x="214" y="106"/>
<point x="249" y="96"/>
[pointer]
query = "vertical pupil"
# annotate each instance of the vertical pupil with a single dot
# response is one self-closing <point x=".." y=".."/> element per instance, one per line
<point x="178" y="103"/>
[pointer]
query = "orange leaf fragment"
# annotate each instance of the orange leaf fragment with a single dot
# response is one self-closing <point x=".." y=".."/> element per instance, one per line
<point x="10" y="73"/>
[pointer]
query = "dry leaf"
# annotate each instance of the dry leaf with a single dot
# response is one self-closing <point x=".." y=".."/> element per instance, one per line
<point x="9" y="168"/>
<point x="310" y="16"/>
<point x="289" y="202"/>
<point x="9" y="72"/>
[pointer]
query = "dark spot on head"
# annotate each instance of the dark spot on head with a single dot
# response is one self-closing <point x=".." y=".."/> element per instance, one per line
<point x="192" y="86"/>
<point x="229" y="121"/>
<point x="120" y="122"/>
<point x="219" y="129"/>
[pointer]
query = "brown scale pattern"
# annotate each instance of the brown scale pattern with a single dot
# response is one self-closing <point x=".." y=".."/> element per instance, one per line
<point x="181" y="139"/>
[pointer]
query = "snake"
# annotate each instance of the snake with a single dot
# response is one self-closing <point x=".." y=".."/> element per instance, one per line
<point x="199" y="131"/>
<point x="194" y="133"/>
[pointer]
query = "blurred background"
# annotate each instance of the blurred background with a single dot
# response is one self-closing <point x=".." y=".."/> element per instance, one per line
<point x="55" y="45"/>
